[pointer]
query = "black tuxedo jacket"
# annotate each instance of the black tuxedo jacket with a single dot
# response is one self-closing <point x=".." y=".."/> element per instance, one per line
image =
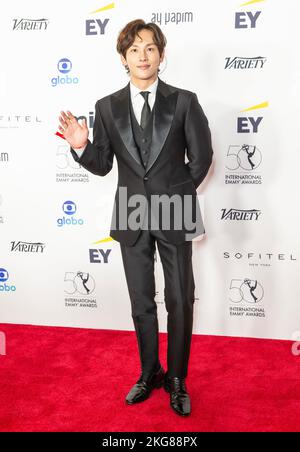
<point x="180" y="129"/>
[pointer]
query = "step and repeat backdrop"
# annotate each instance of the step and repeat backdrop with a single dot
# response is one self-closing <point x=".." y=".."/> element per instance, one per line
<point x="58" y="265"/>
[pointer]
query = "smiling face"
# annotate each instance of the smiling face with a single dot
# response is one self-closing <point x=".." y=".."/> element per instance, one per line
<point x="143" y="59"/>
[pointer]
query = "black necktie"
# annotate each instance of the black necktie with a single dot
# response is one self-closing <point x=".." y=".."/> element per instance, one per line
<point x="146" y="112"/>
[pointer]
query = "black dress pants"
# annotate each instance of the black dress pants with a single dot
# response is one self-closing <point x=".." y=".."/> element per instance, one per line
<point x="138" y="261"/>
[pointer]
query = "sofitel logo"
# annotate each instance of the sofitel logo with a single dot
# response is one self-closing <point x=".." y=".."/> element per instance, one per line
<point x="245" y="62"/>
<point x="30" y="24"/>
<point x="240" y="214"/>
<point x="259" y="259"/>
<point x="13" y="121"/>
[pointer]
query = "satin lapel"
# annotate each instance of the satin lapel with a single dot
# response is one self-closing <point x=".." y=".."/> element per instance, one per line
<point x="163" y="114"/>
<point x="121" y="114"/>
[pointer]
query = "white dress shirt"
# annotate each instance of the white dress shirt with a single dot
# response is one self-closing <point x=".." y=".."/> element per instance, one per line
<point x="137" y="104"/>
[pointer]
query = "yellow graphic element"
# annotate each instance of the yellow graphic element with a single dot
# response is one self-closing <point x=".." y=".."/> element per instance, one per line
<point x="104" y="8"/>
<point x="107" y="239"/>
<point x="256" y="107"/>
<point x="252" y="1"/>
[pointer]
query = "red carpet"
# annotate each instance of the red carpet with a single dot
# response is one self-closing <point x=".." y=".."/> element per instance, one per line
<point x="68" y="379"/>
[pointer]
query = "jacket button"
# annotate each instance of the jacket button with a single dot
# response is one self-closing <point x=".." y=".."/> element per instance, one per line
<point x="144" y="140"/>
<point x="146" y="178"/>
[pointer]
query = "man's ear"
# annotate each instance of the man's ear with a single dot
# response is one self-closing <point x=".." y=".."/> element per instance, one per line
<point x="162" y="56"/>
<point x="123" y="60"/>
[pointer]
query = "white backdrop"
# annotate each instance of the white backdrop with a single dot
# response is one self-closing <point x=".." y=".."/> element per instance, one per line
<point x="242" y="60"/>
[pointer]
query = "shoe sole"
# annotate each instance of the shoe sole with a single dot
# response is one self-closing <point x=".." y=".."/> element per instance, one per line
<point x="180" y="414"/>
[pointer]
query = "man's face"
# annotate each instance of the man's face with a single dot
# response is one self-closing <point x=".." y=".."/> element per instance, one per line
<point x="143" y="57"/>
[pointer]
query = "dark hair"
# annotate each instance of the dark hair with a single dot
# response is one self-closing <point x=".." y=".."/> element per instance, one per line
<point x="131" y="30"/>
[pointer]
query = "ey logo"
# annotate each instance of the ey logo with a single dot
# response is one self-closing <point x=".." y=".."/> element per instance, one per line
<point x="250" y="124"/>
<point x="247" y="19"/>
<point x="97" y="26"/>
<point x="100" y="255"/>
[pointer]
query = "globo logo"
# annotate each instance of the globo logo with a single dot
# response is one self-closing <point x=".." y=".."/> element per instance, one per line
<point x="69" y="208"/>
<point x="69" y="221"/>
<point x="64" y="80"/>
<point x="64" y="66"/>
<point x="3" y="275"/>
<point x="3" y="278"/>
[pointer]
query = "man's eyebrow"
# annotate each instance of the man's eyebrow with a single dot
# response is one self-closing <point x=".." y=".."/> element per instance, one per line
<point x="152" y="43"/>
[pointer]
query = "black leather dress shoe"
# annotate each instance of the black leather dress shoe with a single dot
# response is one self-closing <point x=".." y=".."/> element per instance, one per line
<point x="179" y="399"/>
<point x="143" y="387"/>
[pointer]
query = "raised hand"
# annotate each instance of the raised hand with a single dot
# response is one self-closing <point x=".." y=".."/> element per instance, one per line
<point x="76" y="134"/>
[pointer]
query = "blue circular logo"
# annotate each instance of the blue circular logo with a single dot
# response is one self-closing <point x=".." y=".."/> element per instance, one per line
<point x="3" y="275"/>
<point x="69" y="207"/>
<point x="64" y="65"/>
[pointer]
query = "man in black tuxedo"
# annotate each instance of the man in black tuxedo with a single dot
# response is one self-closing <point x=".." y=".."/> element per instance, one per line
<point x="151" y="127"/>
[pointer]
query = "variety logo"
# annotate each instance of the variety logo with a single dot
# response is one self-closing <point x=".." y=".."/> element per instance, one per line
<point x="30" y="24"/>
<point x="69" y="208"/>
<point x="64" y="66"/>
<point x="28" y="247"/>
<point x="95" y="27"/>
<point x="4" y="276"/>
<point x="240" y="214"/>
<point x="245" y="63"/>
<point x="250" y="124"/>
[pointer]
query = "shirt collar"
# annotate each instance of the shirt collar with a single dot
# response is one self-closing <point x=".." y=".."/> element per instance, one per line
<point x="134" y="90"/>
